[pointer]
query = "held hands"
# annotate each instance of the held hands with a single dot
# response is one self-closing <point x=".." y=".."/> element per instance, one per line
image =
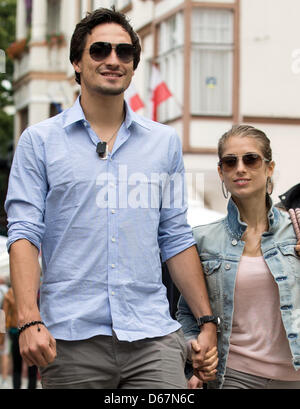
<point x="204" y="353"/>
<point x="37" y="347"/>
<point x="195" y="383"/>
<point x="207" y="370"/>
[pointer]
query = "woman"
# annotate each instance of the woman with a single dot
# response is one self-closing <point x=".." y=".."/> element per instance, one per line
<point x="252" y="269"/>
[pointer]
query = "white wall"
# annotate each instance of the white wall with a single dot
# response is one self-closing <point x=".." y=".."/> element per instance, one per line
<point x="141" y="14"/>
<point x="204" y="184"/>
<point x="270" y="32"/>
<point x="285" y="143"/>
<point x="206" y="133"/>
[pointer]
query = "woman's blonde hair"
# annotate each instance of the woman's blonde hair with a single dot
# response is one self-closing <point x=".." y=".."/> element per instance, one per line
<point x="247" y="131"/>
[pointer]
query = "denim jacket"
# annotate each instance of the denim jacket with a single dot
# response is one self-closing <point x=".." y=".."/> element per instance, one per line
<point x="220" y="248"/>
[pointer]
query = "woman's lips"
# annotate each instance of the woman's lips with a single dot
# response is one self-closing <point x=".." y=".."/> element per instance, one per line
<point x="241" y="182"/>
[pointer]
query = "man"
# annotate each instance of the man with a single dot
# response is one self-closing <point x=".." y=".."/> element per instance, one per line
<point x="104" y="307"/>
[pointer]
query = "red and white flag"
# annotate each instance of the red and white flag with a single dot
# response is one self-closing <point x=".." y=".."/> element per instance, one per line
<point x="160" y="91"/>
<point x="133" y="98"/>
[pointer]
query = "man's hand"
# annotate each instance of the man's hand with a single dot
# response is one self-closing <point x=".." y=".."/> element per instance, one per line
<point x="207" y="372"/>
<point x="206" y="341"/>
<point x="204" y="353"/>
<point x="37" y="347"/>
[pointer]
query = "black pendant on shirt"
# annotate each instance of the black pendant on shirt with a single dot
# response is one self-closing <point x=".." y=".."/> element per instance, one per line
<point x="102" y="150"/>
<point x="102" y="147"/>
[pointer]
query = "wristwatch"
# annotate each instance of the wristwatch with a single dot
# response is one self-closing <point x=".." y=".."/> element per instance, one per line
<point x="209" y="318"/>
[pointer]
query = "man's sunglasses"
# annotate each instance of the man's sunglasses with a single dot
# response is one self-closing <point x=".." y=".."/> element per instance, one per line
<point x="101" y="50"/>
<point x="250" y="160"/>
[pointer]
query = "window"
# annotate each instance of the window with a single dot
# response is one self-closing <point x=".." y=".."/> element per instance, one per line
<point x="55" y="108"/>
<point x="28" y="7"/>
<point x="24" y="119"/>
<point x="211" y="62"/>
<point x="53" y="17"/>
<point x="96" y="4"/>
<point x="83" y="8"/>
<point x="2" y="62"/>
<point x="170" y="61"/>
<point x="120" y="4"/>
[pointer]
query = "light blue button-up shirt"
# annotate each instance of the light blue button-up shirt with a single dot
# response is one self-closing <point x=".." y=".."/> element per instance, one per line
<point x="100" y="223"/>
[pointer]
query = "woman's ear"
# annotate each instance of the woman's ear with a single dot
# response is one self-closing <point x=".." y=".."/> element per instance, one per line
<point x="220" y="173"/>
<point x="270" y="169"/>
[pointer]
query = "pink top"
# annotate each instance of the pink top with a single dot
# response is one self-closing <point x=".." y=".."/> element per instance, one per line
<point x="258" y="343"/>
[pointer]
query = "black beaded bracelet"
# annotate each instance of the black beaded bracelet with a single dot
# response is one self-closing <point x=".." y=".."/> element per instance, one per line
<point x="30" y="324"/>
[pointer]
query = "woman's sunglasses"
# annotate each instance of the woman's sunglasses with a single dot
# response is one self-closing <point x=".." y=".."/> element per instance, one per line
<point x="101" y="50"/>
<point x="250" y="160"/>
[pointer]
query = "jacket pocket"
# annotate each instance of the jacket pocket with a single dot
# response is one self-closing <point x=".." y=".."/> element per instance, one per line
<point x="211" y="266"/>
<point x="291" y="259"/>
<point x="213" y="278"/>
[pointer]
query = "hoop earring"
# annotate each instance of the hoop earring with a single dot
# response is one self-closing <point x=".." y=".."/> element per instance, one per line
<point x="224" y="190"/>
<point x="269" y="186"/>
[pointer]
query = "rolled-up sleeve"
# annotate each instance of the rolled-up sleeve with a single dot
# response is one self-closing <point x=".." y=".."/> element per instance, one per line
<point x="27" y="190"/>
<point x="174" y="234"/>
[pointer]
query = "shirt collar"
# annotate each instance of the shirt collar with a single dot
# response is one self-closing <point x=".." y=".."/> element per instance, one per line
<point x="76" y="114"/>
<point x="73" y="114"/>
<point x="131" y="117"/>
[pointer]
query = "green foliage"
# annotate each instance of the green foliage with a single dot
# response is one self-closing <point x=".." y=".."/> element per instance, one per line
<point x="7" y="32"/>
<point x="7" y="36"/>
<point x="6" y="133"/>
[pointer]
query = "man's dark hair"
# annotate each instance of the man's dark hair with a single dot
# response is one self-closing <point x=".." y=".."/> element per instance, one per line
<point x="86" y="25"/>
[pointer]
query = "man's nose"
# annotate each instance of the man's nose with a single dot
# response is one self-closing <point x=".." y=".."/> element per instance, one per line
<point x="112" y="58"/>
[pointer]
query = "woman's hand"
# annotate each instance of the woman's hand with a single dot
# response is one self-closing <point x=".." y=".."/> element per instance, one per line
<point x="297" y="248"/>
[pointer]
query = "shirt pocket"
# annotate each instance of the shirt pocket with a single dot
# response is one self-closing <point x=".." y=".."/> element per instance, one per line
<point x="60" y="171"/>
<point x="62" y="195"/>
<point x="291" y="260"/>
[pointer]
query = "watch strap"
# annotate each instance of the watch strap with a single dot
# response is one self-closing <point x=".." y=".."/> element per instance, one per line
<point x="208" y="318"/>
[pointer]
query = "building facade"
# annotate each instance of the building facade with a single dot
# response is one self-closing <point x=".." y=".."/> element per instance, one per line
<point x="225" y="62"/>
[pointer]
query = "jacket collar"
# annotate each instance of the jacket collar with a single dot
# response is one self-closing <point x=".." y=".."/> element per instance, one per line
<point x="237" y="228"/>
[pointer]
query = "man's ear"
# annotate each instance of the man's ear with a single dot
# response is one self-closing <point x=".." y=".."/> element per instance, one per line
<point x="76" y="66"/>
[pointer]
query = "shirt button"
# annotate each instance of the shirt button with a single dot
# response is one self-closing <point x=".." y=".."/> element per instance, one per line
<point x="112" y="184"/>
<point x="113" y="293"/>
<point x="227" y="266"/>
<point x="234" y="242"/>
<point x="113" y="240"/>
<point x="113" y="266"/>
